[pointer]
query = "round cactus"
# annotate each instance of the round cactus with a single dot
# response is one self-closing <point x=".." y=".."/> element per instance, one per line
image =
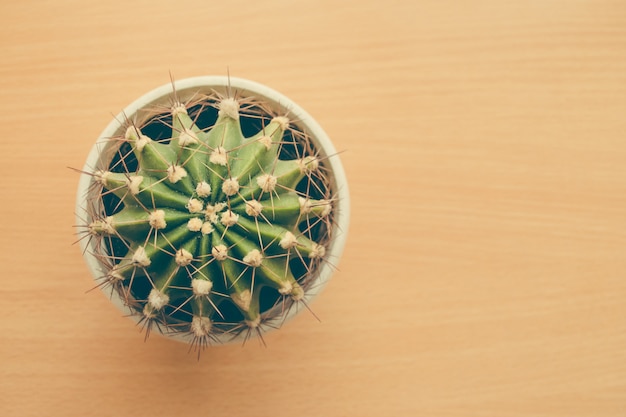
<point x="211" y="217"/>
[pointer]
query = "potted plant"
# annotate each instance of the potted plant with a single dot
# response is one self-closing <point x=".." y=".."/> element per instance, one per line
<point x="212" y="209"/>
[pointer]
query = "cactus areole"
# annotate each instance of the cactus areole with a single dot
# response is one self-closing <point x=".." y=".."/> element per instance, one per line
<point x="212" y="209"/>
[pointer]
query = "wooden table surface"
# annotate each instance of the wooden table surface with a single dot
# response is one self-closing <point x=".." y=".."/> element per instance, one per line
<point x="485" y="145"/>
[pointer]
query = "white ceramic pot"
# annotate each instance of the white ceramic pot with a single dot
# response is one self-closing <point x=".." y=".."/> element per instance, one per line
<point x="104" y="149"/>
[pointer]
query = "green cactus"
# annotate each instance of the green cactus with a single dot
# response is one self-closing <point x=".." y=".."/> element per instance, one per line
<point x="206" y="230"/>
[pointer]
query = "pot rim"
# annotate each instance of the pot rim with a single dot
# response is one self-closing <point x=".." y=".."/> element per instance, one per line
<point x="277" y="101"/>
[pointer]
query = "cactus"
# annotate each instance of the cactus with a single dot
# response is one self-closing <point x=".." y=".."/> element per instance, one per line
<point x="205" y="226"/>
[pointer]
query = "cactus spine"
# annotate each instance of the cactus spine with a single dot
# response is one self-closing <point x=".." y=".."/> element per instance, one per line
<point x="205" y="231"/>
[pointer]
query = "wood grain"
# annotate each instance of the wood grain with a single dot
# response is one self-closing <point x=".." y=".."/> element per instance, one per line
<point x="484" y="143"/>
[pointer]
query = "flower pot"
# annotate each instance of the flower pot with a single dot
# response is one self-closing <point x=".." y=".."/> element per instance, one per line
<point x="114" y="258"/>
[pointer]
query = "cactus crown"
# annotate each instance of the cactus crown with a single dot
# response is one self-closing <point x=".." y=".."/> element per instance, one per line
<point x="212" y="216"/>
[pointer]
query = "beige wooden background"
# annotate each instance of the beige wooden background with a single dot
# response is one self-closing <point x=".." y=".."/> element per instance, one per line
<point x="485" y="272"/>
